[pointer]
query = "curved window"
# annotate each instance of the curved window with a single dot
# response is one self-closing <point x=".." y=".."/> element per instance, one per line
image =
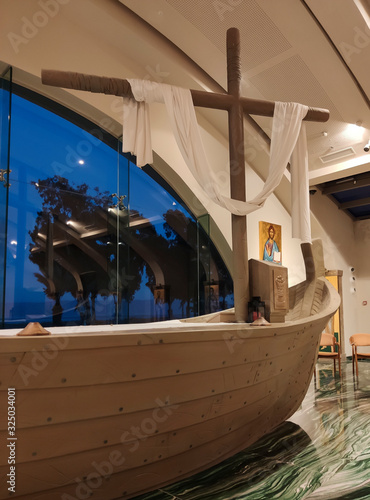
<point x="89" y="238"/>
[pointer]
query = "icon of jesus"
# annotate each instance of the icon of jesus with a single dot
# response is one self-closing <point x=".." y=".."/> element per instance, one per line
<point x="271" y="250"/>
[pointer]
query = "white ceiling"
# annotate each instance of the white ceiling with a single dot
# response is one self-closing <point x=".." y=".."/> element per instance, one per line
<point x="316" y="52"/>
<point x="286" y="56"/>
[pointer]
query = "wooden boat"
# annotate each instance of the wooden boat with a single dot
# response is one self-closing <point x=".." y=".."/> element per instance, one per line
<point x="117" y="411"/>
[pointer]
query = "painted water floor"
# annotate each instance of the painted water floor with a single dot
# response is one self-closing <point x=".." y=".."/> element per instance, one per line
<point x="322" y="452"/>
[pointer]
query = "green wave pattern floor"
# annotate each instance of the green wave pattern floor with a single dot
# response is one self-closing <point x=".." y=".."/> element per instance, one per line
<point x="321" y="453"/>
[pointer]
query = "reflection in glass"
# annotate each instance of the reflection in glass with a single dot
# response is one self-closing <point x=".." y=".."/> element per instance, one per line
<point x="5" y="92"/>
<point x="92" y="239"/>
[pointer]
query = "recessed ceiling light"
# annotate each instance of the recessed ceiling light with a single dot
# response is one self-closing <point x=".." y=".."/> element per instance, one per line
<point x="354" y="131"/>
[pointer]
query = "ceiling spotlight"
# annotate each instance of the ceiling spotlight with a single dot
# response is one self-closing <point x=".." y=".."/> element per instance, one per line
<point x="367" y="147"/>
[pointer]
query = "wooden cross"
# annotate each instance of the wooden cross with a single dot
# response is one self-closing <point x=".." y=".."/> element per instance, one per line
<point x="236" y="106"/>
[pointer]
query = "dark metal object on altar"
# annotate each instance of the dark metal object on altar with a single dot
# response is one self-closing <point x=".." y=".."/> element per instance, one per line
<point x="256" y="309"/>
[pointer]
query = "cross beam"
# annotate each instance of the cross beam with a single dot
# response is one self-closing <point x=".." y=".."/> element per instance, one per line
<point x="236" y="105"/>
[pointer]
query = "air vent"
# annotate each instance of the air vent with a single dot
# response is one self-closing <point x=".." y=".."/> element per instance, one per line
<point x="337" y="155"/>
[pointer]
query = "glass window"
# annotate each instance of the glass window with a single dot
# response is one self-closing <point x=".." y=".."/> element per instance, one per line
<point x="91" y="238"/>
<point x="5" y="86"/>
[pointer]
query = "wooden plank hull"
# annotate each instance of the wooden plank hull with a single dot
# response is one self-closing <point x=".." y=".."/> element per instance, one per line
<point x="118" y="411"/>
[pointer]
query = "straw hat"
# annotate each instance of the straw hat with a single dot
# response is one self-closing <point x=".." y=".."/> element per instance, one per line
<point x="33" y="329"/>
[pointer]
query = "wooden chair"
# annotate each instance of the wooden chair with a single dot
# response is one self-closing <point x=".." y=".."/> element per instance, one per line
<point x="359" y="340"/>
<point x="328" y="340"/>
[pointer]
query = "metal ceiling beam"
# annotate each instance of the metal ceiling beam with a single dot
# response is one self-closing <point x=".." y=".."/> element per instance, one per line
<point x="357" y="181"/>
<point x="355" y="203"/>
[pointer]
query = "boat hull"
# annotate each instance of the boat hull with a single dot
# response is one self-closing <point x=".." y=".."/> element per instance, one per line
<point x="118" y="411"/>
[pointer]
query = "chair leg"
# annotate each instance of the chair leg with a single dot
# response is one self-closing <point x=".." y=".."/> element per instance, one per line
<point x="340" y="371"/>
<point x="356" y="360"/>
<point x="353" y="360"/>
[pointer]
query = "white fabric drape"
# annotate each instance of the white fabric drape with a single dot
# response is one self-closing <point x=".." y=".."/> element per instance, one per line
<point x="288" y="136"/>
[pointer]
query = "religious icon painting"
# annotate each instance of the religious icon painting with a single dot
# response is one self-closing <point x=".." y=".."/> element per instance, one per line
<point x="270" y="242"/>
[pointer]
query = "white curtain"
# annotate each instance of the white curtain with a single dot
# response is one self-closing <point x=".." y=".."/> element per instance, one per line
<point x="288" y="142"/>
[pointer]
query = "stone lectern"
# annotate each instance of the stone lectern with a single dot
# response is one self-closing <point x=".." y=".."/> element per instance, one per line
<point x="270" y="282"/>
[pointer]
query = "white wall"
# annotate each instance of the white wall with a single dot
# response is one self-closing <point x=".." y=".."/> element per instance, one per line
<point x="274" y="212"/>
<point x="337" y="231"/>
<point x="362" y="274"/>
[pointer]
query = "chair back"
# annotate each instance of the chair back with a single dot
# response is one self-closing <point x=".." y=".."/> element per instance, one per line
<point x="360" y="339"/>
<point x="327" y="339"/>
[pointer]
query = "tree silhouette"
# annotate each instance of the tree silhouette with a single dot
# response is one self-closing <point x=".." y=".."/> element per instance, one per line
<point x="74" y="244"/>
<point x="86" y="243"/>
